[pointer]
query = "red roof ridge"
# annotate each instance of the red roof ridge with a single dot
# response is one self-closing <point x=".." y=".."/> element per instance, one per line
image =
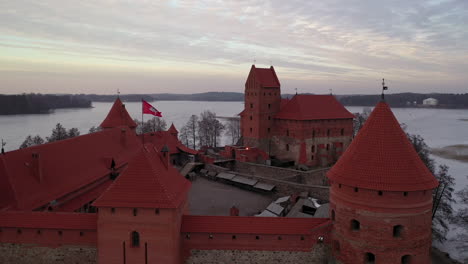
<point x="118" y="116"/>
<point x="312" y="107"/>
<point x="172" y="129"/>
<point x="382" y="158"/>
<point x="146" y="183"/>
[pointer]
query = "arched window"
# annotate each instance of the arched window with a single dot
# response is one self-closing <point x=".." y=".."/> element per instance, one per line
<point x="135" y="239"/>
<point x="250" y="117"/>
<point x="328" y="132"/>
<point x="342" y="131"/>
<point x="287" y="147"/>
<point x="135" y="211"/>
<point x="333" y="215"/>
<point x="397" y="231"/>
<point x="369" y="258"/>
<point x="406" y="259"/>
<point x="355" y="225"/>
<point x="269" y="106"/>
<point x="269" y="117"/>
<point x="313" y="133"/>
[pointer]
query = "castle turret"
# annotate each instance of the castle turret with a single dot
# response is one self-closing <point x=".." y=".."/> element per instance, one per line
<point x="118" y="116"/>
<point x="262" y="100"/>
<point x="140" y="214"/>
<point x="381" y="197"/>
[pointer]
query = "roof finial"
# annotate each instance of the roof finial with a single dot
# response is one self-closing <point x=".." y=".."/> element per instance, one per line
<point x="255" y="61"/>
<point x="118" y="93"/>
<point x="3" y="144"/>
<point x="296" y="90"/>
<point x="383" y="89"/>
<point x="331" y="91"/>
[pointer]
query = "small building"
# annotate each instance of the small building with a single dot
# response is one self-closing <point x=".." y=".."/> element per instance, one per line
<point x="430" y="102"/>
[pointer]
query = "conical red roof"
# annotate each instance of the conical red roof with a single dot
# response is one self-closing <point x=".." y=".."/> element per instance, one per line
<point x="172" y="129"/>
<point x="146" y="183"/>
<point x="382" y="158"/>
<point x="118" y="116"/>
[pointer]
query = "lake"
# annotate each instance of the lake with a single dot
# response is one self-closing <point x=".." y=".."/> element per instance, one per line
<point x="439" y="127"/>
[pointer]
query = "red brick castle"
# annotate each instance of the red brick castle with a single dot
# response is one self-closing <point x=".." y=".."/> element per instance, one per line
<point x="308" y="129"/>
<point x="115" y="197"/>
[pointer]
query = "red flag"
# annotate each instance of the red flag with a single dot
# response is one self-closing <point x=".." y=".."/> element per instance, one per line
<point x="149" y="109"/>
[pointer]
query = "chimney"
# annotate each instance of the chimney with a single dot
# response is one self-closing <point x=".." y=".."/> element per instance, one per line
<point x="166" y="155"/>
<point x="234" y="211"/>
<point x="36" y="166"/>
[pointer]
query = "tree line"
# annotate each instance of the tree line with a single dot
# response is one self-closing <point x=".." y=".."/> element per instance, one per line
<point x="39" y="103"/>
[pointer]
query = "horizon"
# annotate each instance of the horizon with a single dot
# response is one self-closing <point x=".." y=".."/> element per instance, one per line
<point x="188" y="47"/>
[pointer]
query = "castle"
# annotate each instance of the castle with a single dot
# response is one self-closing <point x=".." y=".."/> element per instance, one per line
<point x="312" y="130"/>
<point x="114" y="197"/>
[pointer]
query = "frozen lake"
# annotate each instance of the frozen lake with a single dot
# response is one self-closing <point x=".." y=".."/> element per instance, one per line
<point x="439" y="127"/>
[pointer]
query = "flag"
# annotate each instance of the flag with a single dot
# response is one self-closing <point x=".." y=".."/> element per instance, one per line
<point x="149" y="109"/>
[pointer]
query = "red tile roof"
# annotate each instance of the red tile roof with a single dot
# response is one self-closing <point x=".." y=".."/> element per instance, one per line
<point x="250" y="225"/>
<point x="172" y="129"/>
<point x="265" y="76"/>
<point x="77" y="221"/>
<point x="118" y="116"/>
<point x="146" y="183"/>
<point x="313" y="107"/>
<point x="62" y="166"/>
<point x="161" y="138"/>
<point x="382" y="158"/>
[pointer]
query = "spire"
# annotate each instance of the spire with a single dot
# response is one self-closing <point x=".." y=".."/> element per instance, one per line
<point x="383" y="89"/>
<point x="173" y="130"/>
<point x="382" y="158"/>
<point x="118" y="116"/>
<point x="146" y="183"/>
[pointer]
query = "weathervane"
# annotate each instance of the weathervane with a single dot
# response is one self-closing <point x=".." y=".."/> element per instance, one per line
<point x="296" y="90"/>
<point x="383" y="89"/>
<point x="118" y="93"/>
<point x="331" y="91"/>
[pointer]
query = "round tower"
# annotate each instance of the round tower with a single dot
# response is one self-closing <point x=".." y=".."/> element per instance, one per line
<point x="381" y="197"/>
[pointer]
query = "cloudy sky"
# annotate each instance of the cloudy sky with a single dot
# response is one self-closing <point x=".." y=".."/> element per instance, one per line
<point x="151" y="46"/>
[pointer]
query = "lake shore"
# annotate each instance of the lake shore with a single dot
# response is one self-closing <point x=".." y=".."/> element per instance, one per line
<point x="455" y="152"/>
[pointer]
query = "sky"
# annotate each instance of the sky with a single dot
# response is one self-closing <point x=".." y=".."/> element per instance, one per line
<point x="151" y="46"/>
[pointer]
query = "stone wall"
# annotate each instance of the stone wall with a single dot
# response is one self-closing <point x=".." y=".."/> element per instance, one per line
<point x="312" y="177"/>
<point x="33" y="254"/>
<point x="318" y="255"/>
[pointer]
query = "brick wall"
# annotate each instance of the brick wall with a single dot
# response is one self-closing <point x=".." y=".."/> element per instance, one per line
<point x="34" y="254"/>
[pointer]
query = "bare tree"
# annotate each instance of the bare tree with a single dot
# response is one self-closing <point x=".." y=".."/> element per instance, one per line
<point x="94" y="129"/>
<point x="32" y="141"/>
<point x="60" y="133"/>
<point x="184" y="136"/>
<point x="152" y="125"/>
<point x="360" y="119"/>
<point x="461" y="220"/>
<point x="233" y="130"/>
<point x="191" y="130"/>
<point x="209" y="129"/>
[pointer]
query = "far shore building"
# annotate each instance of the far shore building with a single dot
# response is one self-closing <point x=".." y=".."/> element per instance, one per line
<point x="313" y="130"/>
<point x="430" y="102"/>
